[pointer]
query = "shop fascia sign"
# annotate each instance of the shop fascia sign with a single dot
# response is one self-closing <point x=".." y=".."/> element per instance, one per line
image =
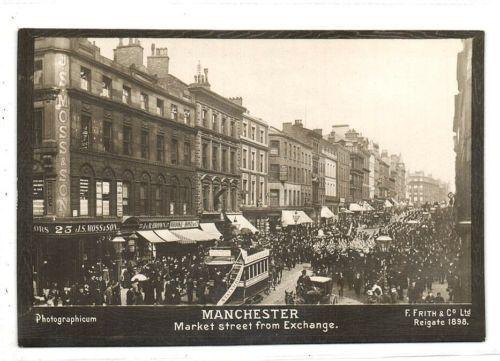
<point x="65" y="229"/>
<point x="169" y="224"/>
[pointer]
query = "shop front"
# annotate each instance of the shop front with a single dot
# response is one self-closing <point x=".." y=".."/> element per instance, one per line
<point x="66" y="252"/>
<point x="75" y="250"/>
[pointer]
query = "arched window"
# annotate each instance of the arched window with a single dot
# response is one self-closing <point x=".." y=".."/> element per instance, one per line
<point x="206" y="195"/>
<point x="233" y="198"/>
<point x="216" y="187"/>
<point x="106" y="194"/>
<point x="174" y="196"/>
<point x="125" y="198"/>
<point x="188" y="196"/>
<point x="144" y="196"/>
<point x="159" y="196"/>
<point x="86" y="191"/>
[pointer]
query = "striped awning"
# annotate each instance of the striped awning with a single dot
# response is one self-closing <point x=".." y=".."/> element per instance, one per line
<point x="150" y="236"/>
<point x="192" y="235"/>
<point x="166" y="235"/>
<point x="241" y="222"/>
<point x="158" y="236"/>
<point x="211" y="229"/>
<point x="326" y="212"/>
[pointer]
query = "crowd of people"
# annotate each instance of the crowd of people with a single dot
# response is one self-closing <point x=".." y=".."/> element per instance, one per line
<point x="166" y="280"/>
<point x="422" y="249"/>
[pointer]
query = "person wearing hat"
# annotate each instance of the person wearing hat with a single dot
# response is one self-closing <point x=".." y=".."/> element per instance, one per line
<point x="134" y="296"/>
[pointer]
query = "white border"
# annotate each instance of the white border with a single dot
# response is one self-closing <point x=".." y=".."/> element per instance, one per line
<point x="255" y="14"/>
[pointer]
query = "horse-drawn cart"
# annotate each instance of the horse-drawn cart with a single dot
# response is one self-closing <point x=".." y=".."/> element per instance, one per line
<point x="319" y="292"/>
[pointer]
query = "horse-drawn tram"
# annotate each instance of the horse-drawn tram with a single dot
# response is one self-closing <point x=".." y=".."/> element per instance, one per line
<point x="247" y="273"/>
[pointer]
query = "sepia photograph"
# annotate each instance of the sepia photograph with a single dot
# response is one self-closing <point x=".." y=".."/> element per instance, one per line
<point x="242" y="176"/>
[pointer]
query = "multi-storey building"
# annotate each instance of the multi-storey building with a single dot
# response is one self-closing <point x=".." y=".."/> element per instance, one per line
<point x="374" y="167"/>
<point x="358" y="166"/>
<point x="290" y="175"/>
<point x="329" y="157"/>
<point x="114" y="151"/>
<point x="392" y="174"/>
<point x="313" y="139"/>
<point x="217" y="122"/>
<point x="423" y="189"/>
<point x="398" y="168"/>
<point x="366" y="169"/>
<point x="343" y="168"/>
<point x="384" y="179"/>
<point x="254" y="167"/>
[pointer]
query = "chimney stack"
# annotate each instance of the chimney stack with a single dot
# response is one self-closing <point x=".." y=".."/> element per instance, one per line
<point x="130" y="54"/>
<point x="298" y="122"/>
<point x="201" y="79"/>
<point x="158" y="61"/>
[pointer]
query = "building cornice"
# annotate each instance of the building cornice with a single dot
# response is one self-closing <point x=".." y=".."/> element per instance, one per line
<point x="195" y="88"/>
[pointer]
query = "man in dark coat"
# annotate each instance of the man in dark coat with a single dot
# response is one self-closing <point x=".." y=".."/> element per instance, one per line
<point x="190" y="289"/>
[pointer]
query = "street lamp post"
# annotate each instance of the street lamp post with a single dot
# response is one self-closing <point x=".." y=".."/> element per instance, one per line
<point x="118" y="245"/>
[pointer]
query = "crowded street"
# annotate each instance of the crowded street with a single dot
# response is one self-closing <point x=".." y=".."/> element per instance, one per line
<point x="407" y="256"/>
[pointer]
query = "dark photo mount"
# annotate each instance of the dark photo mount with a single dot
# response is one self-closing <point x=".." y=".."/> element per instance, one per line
<point x="203" y="325"/>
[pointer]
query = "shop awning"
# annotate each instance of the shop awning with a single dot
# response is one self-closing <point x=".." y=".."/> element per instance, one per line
<point x="288" y="218"/>
<point x="326" y="212"/>
<point x="167" y="235"/>
<point x="211" y="229"/>
<point x="367" y="206"/>
<point x="241" y="222"/>
<point x="192" y="235"/>
<point x="354" y="207"/>
<point x="387" y="204"/>
<point x="150" y="236"/>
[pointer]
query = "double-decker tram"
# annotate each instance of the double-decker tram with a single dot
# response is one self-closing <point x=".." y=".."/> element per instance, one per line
<point x="247" y="273"/>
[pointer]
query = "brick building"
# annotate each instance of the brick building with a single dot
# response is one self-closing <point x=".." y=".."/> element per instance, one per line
<point x="313" y="139"/>
<point x="114" y="152"/>
<point x="343" y="168"/>
<point x="329" y="161"/>
<point x="358" y="166"/>
<point x="424" y="189"/>
<point x="254" y="168"/>
<point x="290" y="175"/>
<point x="217" y="122"/>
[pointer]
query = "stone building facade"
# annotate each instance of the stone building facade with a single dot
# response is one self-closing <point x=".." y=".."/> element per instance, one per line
<point x="290" y="174"/>
<point x="112" y="141"/>
<point x="217" y="121"/>
<point x="254" y="149"/>
<point x="311" y="137"/>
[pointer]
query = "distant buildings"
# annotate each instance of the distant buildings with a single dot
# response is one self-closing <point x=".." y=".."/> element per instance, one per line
<point x="424" y="189"/>
<point x="122" y="147"/>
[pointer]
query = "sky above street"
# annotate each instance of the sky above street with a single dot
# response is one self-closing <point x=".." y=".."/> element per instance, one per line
<point x="400" y="93"/>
